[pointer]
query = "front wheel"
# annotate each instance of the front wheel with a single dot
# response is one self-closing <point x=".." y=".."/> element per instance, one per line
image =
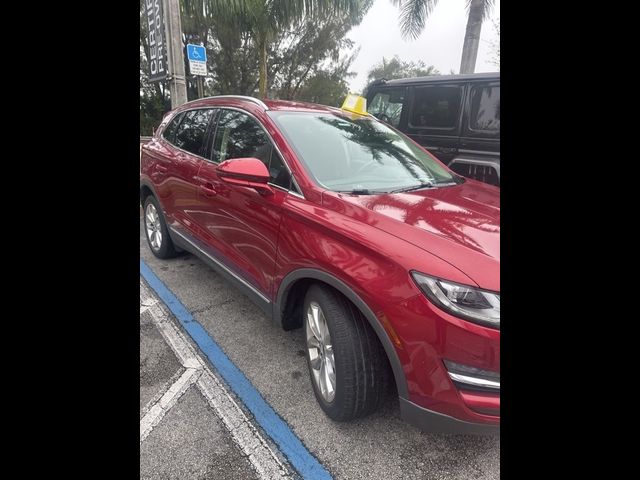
<point x="156" y="229"/>
<point x="348" y="366"/>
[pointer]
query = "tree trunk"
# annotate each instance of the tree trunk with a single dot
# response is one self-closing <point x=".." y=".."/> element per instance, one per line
<point x="472" y="37"/>
<point x="262" y="45"/>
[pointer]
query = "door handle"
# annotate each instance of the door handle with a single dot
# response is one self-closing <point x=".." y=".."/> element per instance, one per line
<point x="208" y="190"/>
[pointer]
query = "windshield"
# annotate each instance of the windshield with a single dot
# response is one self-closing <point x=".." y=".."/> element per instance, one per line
<point x="359" y="154"/>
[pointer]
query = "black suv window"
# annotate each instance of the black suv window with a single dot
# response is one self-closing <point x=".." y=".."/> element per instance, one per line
<point x="436" y="107"/>
<point x="387" y="106"/>
<point x="191" y="132"/>
<point x="170" y="131"/>
<point x="240" y="136"/>
<point x="485" y="109"/>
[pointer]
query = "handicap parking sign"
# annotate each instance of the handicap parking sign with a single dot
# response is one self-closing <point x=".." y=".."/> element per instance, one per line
<point x="197" y="56"/>
<point x="197" y="53"/>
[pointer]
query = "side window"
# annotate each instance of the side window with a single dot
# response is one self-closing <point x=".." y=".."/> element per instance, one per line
<point x="192" y="130"/>
<point x="278" y="172"/>
<point x="485" y="109"/>
<point x="436" y="107"/>
<point x="387" y="106"/>
<point x="240" y="136"/>
<point x="169" y="133"/>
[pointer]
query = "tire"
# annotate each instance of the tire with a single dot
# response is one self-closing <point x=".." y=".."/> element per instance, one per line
<point x="161" y="246"/>
<point x="362" y="371"/>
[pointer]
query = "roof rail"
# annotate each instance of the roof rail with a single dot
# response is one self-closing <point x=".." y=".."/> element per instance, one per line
<point x="380" y="81"/>
<point x="257" y="101"/>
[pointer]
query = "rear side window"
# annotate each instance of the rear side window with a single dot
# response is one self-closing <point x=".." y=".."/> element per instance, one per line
<point x="192" y="130"/>
<point x="170" y="132"/>
<point x="436" y="107"/>
<point x="485" y="109"/>
<point x="387" y="106"/>
<point x="240" y="136"/>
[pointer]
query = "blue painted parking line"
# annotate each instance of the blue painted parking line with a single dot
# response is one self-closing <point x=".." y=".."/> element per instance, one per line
<point x="272" y="424"/>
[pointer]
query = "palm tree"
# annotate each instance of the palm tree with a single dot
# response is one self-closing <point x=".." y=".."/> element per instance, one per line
<point x="414" y="14"/>
<point x="269" y="17"/>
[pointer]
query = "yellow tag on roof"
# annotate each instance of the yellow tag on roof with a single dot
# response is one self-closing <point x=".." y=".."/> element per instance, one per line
<point x="355" y="104"/>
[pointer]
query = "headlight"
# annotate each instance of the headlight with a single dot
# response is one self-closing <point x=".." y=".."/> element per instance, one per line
<point x="464" y="301"/>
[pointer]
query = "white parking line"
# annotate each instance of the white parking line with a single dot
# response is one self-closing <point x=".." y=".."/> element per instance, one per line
<point x="168" y="400"/>
<point x="244" y="434"/>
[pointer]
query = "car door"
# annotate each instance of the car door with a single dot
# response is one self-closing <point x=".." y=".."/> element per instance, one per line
<point x="434" y="117"/>
<point x="238" y="224"/>
<point x="187" y="156"/>
<point x="162" y="154"/>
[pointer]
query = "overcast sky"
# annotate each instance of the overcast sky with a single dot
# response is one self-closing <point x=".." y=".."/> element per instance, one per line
<point x="440" y="43"/>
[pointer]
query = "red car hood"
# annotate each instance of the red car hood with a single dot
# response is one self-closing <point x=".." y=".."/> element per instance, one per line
<point x="460" y="224"/>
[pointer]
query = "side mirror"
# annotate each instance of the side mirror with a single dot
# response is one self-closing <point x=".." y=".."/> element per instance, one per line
<point x="246" y="172"/>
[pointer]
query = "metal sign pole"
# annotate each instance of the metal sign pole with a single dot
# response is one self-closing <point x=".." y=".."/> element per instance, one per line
<point x="200" y="87"/>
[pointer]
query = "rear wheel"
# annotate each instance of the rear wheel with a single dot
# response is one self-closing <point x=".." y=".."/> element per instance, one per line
<point x="156" y="230"/>
<point x="348" y="367"/>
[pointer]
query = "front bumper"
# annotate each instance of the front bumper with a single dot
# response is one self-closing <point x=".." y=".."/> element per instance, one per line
<point x="451" y="368"/>
<point x="434" y="422"/>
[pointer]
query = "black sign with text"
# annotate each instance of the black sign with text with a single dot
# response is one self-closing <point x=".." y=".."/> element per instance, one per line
<point x="157" y="50"/>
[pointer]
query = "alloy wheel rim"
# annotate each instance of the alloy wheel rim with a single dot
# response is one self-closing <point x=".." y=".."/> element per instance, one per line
<point x="320" y="351"/>
<point x="152" y="223"/>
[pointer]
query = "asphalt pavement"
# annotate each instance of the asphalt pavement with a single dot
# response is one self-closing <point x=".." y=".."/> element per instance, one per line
<point x="192" y="439"/>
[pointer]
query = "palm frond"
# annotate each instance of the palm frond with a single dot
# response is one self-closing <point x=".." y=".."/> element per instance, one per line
<point x="487" y="7"/>
<point x="413" y="16"/>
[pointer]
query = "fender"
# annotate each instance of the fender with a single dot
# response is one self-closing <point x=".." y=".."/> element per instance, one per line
<point x="145" y="182"/>
<point x="306" y="273"/>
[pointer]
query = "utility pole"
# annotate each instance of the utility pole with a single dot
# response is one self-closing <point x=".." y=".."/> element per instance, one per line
<point x="176" y="77"/>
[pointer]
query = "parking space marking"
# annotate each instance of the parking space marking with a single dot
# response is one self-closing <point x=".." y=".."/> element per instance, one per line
<point x="160" y="393"/>
<point x="270" y="422"/>
<point x="168" y="400"/>
<point x="243" y="433"/>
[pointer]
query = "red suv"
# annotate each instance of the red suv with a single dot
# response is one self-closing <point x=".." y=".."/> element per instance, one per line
<point x="338" y="223"/>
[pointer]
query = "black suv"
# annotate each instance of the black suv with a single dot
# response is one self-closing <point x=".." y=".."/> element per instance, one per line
<point x="456" y="117"/>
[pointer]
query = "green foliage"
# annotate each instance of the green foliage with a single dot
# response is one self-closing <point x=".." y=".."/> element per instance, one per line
<point x="397" y="68"/>
<point x="267" y="19"/>
<point x="328" y="86"/>
<point x="303" y="53"/>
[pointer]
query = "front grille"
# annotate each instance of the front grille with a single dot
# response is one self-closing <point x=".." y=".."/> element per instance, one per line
<point x="482" y="173"/>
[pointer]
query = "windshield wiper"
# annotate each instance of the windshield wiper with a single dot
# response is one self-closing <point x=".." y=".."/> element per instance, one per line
<point x="358" y="191"/>
<point x="414" y="187"/>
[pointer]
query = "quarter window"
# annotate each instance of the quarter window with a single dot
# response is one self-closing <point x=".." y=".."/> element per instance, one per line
<point x="436" y="107"/>
<point x="192" y="130"/>
<point x="485" y="109"/>
<point x="170" y="132"/>
<point x="240" y="136"/>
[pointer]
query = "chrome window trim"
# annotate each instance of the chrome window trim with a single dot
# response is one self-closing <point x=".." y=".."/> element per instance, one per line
<point x="223" y="266"/>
